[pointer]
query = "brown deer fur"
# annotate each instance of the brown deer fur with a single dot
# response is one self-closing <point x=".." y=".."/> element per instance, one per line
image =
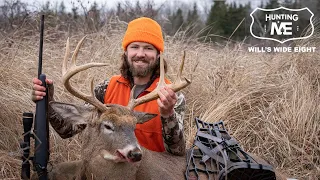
<point x="99" y="140"/>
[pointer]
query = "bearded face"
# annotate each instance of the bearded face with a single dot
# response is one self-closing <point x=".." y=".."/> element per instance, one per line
<point x="142" y="58"/>
<point x="141" y="67"/>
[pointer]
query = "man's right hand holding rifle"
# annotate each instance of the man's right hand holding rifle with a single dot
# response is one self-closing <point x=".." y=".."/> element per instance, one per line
<point x="39" y="91"/>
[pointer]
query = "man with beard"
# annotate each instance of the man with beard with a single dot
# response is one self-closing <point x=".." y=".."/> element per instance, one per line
<point x="142" y="44"/>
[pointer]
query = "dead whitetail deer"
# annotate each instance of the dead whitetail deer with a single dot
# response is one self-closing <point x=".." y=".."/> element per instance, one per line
<point x="110" y="149"/>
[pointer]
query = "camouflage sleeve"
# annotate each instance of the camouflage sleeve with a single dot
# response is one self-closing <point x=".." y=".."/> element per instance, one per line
<point x="66" y="130"/>
<point x="100" y="90"/>
<point x="172" y="128"/>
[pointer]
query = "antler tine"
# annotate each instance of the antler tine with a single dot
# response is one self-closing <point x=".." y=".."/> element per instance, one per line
<point x="76" y="51"/>
<point x="178" y="78"/>
<point x="161" y="82"/>
<point x="131" y="100"/>
<point x="178" y="84"/>
<point x="74" y="69"/>
<point x="66" y="56"/>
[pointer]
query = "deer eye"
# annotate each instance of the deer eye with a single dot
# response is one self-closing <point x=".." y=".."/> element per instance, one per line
<point x="107" y="127"/>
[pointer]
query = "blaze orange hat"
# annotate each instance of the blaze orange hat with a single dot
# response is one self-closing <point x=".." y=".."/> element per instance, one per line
<point x="143" y="30"/>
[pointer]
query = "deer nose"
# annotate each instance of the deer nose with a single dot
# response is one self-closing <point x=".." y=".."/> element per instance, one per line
<point x="135" y="155"/>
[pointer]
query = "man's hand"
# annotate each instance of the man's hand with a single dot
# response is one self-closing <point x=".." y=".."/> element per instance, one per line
<point x="166" y="101"/>
<point x="38" y="91"/>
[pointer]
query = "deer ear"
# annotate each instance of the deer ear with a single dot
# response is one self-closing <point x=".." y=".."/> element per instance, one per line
<point x="143" y="117"/>
<point x="69" y="119"/>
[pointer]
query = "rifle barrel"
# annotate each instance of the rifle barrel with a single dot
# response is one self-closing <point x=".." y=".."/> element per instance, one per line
<point x="41" y="46"/>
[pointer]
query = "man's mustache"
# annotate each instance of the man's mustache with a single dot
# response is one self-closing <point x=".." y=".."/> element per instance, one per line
<point x="140" y="59"/>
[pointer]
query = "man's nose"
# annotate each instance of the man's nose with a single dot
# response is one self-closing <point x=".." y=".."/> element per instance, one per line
<point x="141" y="53"/>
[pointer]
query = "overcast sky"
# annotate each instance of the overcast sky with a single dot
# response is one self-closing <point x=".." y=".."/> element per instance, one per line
<point x="112" y="3"/>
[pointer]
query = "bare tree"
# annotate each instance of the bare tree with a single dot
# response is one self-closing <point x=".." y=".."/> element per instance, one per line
<point x="13" y="14"/>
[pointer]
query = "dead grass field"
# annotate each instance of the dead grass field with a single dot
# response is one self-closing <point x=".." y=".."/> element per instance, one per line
<point x="269" y="102"/>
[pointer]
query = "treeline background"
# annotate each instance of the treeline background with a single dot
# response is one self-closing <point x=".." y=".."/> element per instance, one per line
<point x="205" y="20"/>
<point x="268" y="101"/>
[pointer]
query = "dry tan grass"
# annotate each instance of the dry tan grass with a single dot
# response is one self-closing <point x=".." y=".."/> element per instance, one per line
<point x="269" y="102"/>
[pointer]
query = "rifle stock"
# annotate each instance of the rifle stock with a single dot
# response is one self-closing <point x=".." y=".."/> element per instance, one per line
<point x="41" y="130"/>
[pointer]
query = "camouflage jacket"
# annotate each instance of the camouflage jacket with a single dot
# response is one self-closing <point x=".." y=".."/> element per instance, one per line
<point x="172" y="127"/>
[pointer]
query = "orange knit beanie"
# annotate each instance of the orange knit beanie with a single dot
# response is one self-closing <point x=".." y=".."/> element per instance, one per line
<point x="144" y="30"/>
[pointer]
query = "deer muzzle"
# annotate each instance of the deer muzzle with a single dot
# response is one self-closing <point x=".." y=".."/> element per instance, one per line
<point x="130" y="154"/>
<point x="135" y="156"/>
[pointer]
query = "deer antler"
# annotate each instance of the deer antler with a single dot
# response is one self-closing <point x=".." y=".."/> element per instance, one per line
<point x="178" y="84"/>
<point x="74" y="69"/>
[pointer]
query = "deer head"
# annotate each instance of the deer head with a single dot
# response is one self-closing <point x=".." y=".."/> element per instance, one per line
<point x="108" y="128"/>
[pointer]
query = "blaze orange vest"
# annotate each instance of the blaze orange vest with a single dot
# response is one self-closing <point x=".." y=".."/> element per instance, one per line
<point x="149" y="134"/>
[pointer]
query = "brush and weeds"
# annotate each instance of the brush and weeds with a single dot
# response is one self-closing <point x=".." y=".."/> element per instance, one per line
<point x="269" y="102"/>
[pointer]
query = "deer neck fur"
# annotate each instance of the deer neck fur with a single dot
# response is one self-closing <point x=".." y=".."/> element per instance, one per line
<point x="100" y="168"/>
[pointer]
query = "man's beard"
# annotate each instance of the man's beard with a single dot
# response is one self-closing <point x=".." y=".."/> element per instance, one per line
<point x="142" y="71"/>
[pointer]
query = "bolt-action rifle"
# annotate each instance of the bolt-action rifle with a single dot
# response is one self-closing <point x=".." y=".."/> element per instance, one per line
<point x="40" y="131"/>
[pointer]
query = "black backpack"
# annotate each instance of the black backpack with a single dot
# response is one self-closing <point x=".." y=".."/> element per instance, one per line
<point x="218" y="155"/>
